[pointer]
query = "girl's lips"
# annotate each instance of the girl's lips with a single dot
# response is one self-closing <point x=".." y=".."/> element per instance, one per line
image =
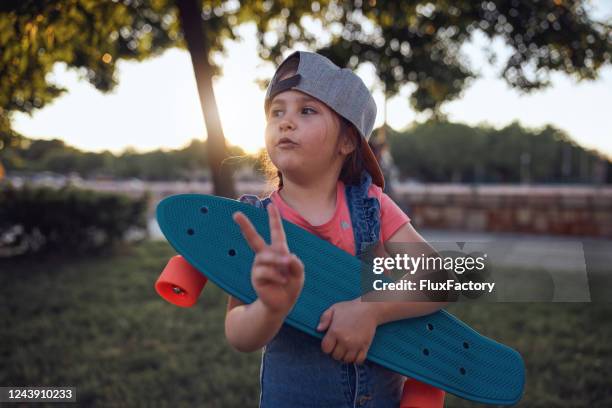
<point x="286" y="142"/>
<point x="287" y="145"/>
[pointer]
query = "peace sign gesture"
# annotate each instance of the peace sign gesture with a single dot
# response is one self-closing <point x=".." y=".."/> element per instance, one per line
<point x="277" y="275"/>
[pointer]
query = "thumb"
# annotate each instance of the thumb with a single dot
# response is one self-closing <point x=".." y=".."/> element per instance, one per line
<point x="326" y="319"/>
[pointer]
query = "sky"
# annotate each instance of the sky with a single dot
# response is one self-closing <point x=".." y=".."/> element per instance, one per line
<point x="156" y="105"/>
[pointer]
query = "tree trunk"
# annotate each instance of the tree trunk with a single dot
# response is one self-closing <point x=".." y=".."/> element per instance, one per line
<point x="193" y="31"/>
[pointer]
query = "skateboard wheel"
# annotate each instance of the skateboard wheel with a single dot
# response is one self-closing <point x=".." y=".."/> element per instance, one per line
<point x="180" y="283"/>
<point x="420" y="395"/>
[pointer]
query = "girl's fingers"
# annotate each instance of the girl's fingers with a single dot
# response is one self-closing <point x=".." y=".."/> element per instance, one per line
<point x="265" y="281"/>
<point x="328" y="343"/>
<point x="264" y="275"/>
<point x="338" y="353"/>
<point x="361" y="356"/>
<point x="255" y="241"/>
<point x="326" y="319"/>
<point x="269" y="258"/>
<point x="277" y="233"/>
<point x="350" y="356"/>
<point x="289" y="265"/>
<point x="296" y="267"/>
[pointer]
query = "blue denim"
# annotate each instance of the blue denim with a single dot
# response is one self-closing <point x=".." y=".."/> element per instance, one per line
<point x="294" y="370"/>
<point x="365" y="215"/>
<point x="296" y="373"/>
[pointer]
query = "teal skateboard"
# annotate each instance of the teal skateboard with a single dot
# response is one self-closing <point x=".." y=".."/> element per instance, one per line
<point x="437" y="349"/>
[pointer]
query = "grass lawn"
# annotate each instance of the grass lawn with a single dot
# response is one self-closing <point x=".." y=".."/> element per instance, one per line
<point x="97" y="324"/>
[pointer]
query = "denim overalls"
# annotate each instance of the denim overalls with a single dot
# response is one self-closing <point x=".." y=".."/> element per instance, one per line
<point x="296" y="373"/>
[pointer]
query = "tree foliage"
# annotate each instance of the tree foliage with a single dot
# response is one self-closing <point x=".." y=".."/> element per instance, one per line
<point x="187" y="163"/>
<point x="419" y="42"/>
<point x="415" y="42"/>
<point x="87" y="35"/>
<point x="429" y="152"/>
<point x="408" y="42"/>
<point x="453" y="152"/>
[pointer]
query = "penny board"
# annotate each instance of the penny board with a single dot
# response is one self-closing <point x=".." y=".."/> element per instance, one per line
<point x="437" y="349"/>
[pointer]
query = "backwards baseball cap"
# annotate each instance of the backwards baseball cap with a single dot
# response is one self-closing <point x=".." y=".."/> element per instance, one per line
<point x="341" y="90"/>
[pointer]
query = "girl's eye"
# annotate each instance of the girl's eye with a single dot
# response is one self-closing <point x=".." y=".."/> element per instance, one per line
<point x="306" y="110"/>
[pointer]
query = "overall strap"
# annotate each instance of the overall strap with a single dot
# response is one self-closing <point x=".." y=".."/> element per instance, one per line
<point x="365" y="214"/>
<point x="255" y="201"/>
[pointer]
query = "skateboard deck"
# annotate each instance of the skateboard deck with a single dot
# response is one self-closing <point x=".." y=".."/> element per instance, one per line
<point x="437" y="349"/>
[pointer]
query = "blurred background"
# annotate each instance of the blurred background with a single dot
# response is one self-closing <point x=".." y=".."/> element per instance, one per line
<point x="493" y="125"/>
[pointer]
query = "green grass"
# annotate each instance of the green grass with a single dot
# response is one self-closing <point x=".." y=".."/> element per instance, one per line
<point x="97" y="324"/>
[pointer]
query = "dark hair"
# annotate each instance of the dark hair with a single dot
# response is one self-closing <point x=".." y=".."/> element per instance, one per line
<point x="353" y="164"/>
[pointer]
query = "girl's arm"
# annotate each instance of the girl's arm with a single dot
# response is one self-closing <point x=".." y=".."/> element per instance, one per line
<point x="351" y="325"/>
<point x="277" y="277"/>
<point x="396" y="310"/>
<point x="248" y="327"/>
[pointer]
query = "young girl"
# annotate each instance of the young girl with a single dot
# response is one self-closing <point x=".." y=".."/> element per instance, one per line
<point x="319" y="118"/>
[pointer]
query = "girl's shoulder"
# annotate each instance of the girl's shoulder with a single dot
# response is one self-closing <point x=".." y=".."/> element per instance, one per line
<point x="376" y="192"/>
<point x="388" y="207"/>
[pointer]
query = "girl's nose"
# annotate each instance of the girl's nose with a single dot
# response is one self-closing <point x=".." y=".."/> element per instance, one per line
<point x="286" y="125"/>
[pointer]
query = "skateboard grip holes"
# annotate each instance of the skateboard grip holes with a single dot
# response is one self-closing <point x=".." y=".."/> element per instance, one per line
<point x="426" y="352"/>
<point x="466" y="345"/>
<point x="204" y="209"/>
<point x="190" y="231"/>
<point x="430" y="327"/>
<point x="462" y="371"/>
<point x="231" y="252"/>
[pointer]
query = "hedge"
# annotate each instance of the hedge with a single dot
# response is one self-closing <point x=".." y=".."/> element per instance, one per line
<point x="68" y="220"/>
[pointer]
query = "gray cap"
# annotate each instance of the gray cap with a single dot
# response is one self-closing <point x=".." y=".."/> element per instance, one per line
<point x="340" y="89"/>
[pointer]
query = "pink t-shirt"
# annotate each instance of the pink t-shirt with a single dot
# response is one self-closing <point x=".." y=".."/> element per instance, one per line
<point x="339" y="230"/>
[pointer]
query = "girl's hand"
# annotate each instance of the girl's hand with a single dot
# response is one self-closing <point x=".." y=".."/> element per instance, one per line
<point x="277" y="275"/>
<point x="350" y="329"/>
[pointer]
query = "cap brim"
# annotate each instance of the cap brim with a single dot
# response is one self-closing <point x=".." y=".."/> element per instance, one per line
<point x="371" y="164"/>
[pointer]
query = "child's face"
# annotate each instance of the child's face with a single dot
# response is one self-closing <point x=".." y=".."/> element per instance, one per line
<point x="302" y="135"/>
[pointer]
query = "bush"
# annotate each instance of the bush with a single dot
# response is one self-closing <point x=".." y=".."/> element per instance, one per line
<point x="66" y="220"/>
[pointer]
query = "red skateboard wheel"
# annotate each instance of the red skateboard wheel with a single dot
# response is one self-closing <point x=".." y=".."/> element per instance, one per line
<point x="180" y="283"/>
<point x="420" y="395"/>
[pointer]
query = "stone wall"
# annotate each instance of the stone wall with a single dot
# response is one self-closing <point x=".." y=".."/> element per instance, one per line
<point x="567" y="210"/>
<point x="562" y="210"/>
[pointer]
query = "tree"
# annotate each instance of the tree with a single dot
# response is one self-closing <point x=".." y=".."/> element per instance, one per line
<point x="199" y="48"/>
<point x="419" y="42"/>
<point x="92" y="36"/>
<point x="414" y="42"/>
<point x="438" y="151"/>
<point x="87" y="35"/>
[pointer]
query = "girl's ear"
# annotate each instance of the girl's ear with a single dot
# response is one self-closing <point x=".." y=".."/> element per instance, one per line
<point x="347" y="140"/>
